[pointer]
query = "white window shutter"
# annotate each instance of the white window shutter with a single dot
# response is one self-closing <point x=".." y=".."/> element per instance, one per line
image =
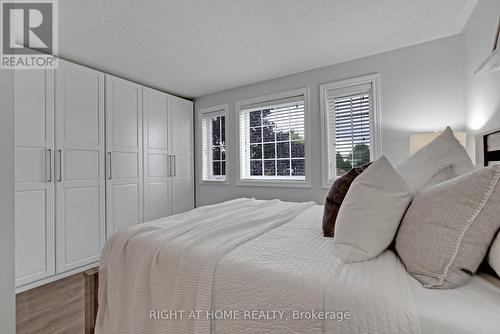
<point x="350" y="128"/>
<point x="272" y="140"/>
<point x="213" y="146"/>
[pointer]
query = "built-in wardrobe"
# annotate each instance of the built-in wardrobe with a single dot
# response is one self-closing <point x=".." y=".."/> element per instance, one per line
<point x="94" y="153"/>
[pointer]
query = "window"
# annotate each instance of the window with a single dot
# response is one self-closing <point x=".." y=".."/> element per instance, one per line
<point x="349" y="115"/>
<point x="213" y="133"/>
<point x="273" y="140"/>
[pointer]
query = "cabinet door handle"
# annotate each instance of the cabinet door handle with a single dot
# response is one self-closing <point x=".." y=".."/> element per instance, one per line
<point x="175" y="166"/>
<point x="110" y="157"/>
<point x="60" y="166"/>
<point x="169" y="165"/>
<point x="49" y="151"/>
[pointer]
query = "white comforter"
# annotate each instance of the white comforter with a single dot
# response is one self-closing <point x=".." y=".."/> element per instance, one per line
<point x="246" y="257"/>
<point x="294" y="268"/>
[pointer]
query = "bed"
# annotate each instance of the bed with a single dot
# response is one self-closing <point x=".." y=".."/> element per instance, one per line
<point x="249" y="266"/>
<point x="253" y="266"/>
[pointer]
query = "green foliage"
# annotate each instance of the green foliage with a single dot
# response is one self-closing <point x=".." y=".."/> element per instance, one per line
<point x="359" y="156"/>
<point x="296" y="137"/>
<point x="343" y="163"/>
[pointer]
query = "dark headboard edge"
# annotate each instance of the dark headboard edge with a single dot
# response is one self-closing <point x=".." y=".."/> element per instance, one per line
<point x="488" y="148"/>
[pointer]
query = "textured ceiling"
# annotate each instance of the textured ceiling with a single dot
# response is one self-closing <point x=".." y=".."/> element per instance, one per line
<point x="193" y="48"/>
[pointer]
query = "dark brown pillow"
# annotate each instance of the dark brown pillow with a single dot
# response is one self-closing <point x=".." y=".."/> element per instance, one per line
<point x="336" y="197"/>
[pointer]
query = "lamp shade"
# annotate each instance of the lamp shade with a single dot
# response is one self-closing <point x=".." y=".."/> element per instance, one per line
<point x="419" y="140"/>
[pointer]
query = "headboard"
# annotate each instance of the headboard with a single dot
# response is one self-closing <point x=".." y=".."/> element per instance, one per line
<point x="488" y="148"/>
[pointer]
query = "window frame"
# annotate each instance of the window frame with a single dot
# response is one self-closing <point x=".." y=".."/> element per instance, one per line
<point x="220" y="110"/>
<point x="375" y="140"/>
<point x="273" y="181"/>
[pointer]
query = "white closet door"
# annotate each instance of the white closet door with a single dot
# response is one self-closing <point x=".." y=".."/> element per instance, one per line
<point x="182" y="154"/>
<point x="156" y="154"/>
<point x="80" y="196"/>
<point x="124" y="185"/>
<point x="34" y="226"/>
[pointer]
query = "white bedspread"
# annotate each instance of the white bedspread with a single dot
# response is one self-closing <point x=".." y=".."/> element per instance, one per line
<point x="169" y="264"/>
<point x="294" y="268"/>
<point x="247" y="255"/>
<point x="472" y="308"/>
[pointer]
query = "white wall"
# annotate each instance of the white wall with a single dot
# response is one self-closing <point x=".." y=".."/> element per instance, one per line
<point x="421" y="90"/>
<point x="7" y="304"/>
<point x="481" y="93"/>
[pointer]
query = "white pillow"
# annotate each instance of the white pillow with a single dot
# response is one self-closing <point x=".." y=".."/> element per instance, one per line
<point x="442" y="159"/>
<point x="494" y="256"/>
<point x="371" y="212"/>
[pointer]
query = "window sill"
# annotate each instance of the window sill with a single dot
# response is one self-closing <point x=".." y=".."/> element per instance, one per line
<point x="329" y="184"/>
<point x="221" y="182"/>
<point x="273" y="183"/>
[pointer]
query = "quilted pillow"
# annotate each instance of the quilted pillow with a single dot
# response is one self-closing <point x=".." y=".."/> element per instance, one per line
<point x="448" y="228"/>
<point x="442" y="159"/>
<point x="336" y="197"/>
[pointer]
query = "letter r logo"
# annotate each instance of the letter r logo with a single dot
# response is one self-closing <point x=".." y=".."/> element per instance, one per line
<point x="27" y="27"/>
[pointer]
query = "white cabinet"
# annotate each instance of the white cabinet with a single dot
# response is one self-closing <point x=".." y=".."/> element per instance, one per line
<point x="168" y="154"/>
<point x="79" y="166"/>
<point x="94" y="154"/>
<point x="60" y="195"/>
<point x="34" y="198"/>
<point x="182" y="155"/>
<point x="124" y="180"/>
<point x="157" y="159"/>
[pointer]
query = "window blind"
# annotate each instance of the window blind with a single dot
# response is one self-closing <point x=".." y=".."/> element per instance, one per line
<point x="272" y="140"/>
<point x="213" y="132"/>
<point x="349" y="128"/>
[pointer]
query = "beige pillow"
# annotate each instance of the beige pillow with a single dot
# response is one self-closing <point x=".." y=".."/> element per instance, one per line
<point x="442" y="159"/>
<point x="371" y="212"/>
<point x="494" y="256"/>
<point x="448" y="228"/>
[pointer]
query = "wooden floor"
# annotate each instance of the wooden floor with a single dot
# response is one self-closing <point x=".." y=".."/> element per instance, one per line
<point x="56" y="308"/>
